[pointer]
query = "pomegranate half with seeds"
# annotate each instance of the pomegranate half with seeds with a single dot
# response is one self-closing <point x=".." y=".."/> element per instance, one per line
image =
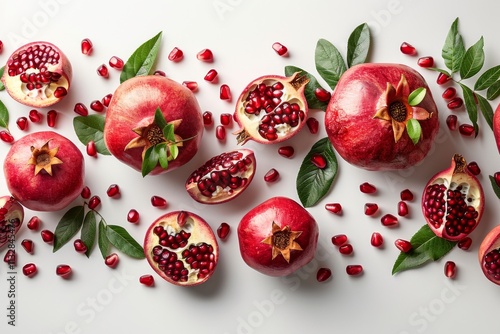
<point x="271" y="109"/>
<point x="277" y="237"/>
<point x="11" y="219"/>
<point x="368" y="115"/>
<point x="489" y="255"/>
<point x="37" y="74"/>
<point x="143" y="112"/>
<point x="223" y="177"/>
<point x="44" y="171"/>
<point x="181" y="247"/>
<point x="453" y="201"/>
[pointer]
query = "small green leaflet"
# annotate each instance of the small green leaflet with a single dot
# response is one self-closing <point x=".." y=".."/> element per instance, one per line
<point x="453" y="49"/>
<point x="4" y="116"/>
<point x="312" y="182"/>
<point x="495" y="186"/>
<point x="142" y="60"/>
<point x="312" y="101"/>
<point x="124" y="242"/>
<point x="88" y="233"/>
<point x="417" y="96"/>
<point x="89" y="128"/>
<point x="102" y="239"/>
<point x="488" y="78"/>
<point x="493" y="91"/>
<point x="486" y="110"/>
<point x="414" y="130"/>
<point x="2" y="87"/>
<point x="150" y="160"/>
<point x="68" y="226"/>
<point x="473" y="60"/>
<point x="358" y="45"/>
<point x="426" y="247"/>
<point x="470" y="106"/>
<point x="329" y="62"/>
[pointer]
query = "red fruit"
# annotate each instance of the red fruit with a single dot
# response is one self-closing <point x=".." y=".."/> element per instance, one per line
<point x="389" y="220"/>
<point x="449" y="93"/>
<point x="223" y="177"/>
<point x="318" y="160"/>
<point x="220" y="132"/>
<point x="339" y="239"/>
<point x="408" y="49"/>
<point x="63" y="270"/>
<point x="403" y="245"/>
<point x="211" y="75"/>
<point x="35" y="116"/>
<point x="34" y="223"/>
<point x="466" y="130"/>
<point x="312" y="125"/>
<point x="322" y="94"/>
<point x="176" y="55"/>
<point x="11" y="219"/>
<point x="286" y="151"/>
<point x="451" y="122"/>
<point x="81" y="109"/>
<point x="208" y="118"/>
<point x="442" y="78"/>
<point x="334" y="207"/>
<point x="406" y="195"/>
<point x="181" y="247"/>
<point x="106" y="100"/>
<point x="377" y="240"/>
<point x="80" y="246"/>
<point x="133" y="216"/>
<point x="86" y="193"/>
<point x="280" y="49"/>
<point x="158" y="201"/>
<point x="367" y="188"/>
<point x="191" y="85"/>
<point x="116" y="62"/>
<point x="28" y="246"/>
<point x="37" y="74"/>
<point x="47" y="236"/>
<point x="465" y="243"/>
<point x="402" y="209"/>
<point x="113" y="190"/>
<point x="362" y="117"/>
<point x="10" y="258"/>
<point x="205" y="55"/>
<point x="272" y="175"/>
<point x="97" y="105"/>
<point x="450" y="269"/>
<point x="112" y="260"/>
<point x="271" y="109"/>
<point x="147" y="280"/>
<point x="52" y="118"/>
<point x="496" y="126"/>
<point x="473" y="168"/>
<point x="94" y="202"/>
<point x="323" y="274"/>
<point x="354" y="269"/>
<point x="346" y="249"/>
<point x="225" y="92"/>
<point x="455" y="103"/>
<point x="6" y="136"/>
<point x="225" y="119"/>
<point x="496" y="177"/>
<point x="160" y="73"/>
<point x="91" y="148"/>
<point x="425" y="62"/>
<point x="489" y="255"/>
<point x="29" y="270"/>
<point x="87" y="46"/>
<point x="44" y="171"/>
<point x="103" y="71"/>
<point x="453" y="201"/>
<point x="277" y="237"/>
<point x="22" y="123"/>
<point x="223" y="230"/>
<point x="1" y="46"/>
<point x="371" y="209"/>
<point x="130" y="127"/>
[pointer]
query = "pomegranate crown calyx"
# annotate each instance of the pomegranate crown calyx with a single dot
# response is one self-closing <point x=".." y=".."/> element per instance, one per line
<point x="282" y="241"/>
<point x="400" y="108"/>
<point x="44" y="158"/>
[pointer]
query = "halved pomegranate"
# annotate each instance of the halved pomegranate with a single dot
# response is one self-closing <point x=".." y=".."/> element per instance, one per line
<point x="11" y="218"/>
<point x="223" y="177"/>
<point x="489" y="255"/>
<point x="181" y="247"/>
<point x="453" y="201"/>
<point x="37" y="74"/>
<point x="271" y="109"/>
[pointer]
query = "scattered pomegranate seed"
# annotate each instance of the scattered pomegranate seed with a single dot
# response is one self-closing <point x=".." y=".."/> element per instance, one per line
<point x="371" y="209"/>
<point x="191" y="85"/>
<point x="208" y="118"/>
<point x="220" y="132"/>
<point x="354" y="269"/>
<point x="113" y="190"/>
<point x="94" y="202"/>
<point x="339" y="239"/>
<point x="286" y="151"/>
<point x="280" y="49"/>
<point x="34" y="223"/>
<point x="223" y="230"/>
<point x="106" y="99"/>
<point x="442" y="79"/>
<point x="211" y="75"/>
<point x="403" y="209"/>
<point x="377" y="240"/>
<point x="47" y="236"/>
<point x="112" y="260"/>
<point x="147" y="280"/>
<point x="10" y="257"/>
<point x="102" y="71"/>
<point x="389" y="220"/>
<point x="334" y="207"/>
<point x="225" y="119"/>
<point x="29" y="270"/>
<point x="159" y="72"/>
<point x="158" y="201"/>
<point x="63" y="270"/>
<point x="133" y="216"/>
<point x="28" y="246"/>
<point x="322" y="94"/>
<point x="406" y="195"/>
<point x="35" y="116"/>
<point x="91" y="149"/>
<point x="176" y="55"/>
<point x="1" y="46"/>
<point x="318" y="160"/>
<point x="465" y="243"/>
<point x="496" y="177"/>
<point x="116" y="63"/>
<point x="425" y="62"/>
<point x="346" y="249"/>
<point x="323" y="274"/>
<point x="403" y="245"/>
<point x="225" y="92"/>
<point x="205" y="55"/>
<point x="80" y="246"/>
<point x="52" y="118"/>
<point x="86" y="192"/>
<point x="60" y="92"/>
<point x="313" y="125"/>
<point x="272" y="175"/>
<point x="455" y="103"/>
<point x="86" y="46"/>
<point x="466" y="130"/>
<point x="367" y="188"/>
<point x="6" y="137"/>
<point x="450" y="269"/>
<point x="449" y="93"/>
<point x="473" y="168"/>
<point x="408" y="49"/>
<point x="452" y="122"/>
<point x="22" y="123"/>
<point x="97" y="105"/>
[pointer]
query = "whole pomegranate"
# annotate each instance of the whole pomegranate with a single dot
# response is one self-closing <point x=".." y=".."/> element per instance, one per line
<point x="453" y="201"/>
<point x="44" y="171"/>
<point x="37" y="74"/>
<point x="277" y="237"/>
<point x="152" y="116"/>
<point x="489" y="255"/>
<point x="367" y="117"/>
<point x="496" y="127"/>
<point x="271" y="109"/>
<point x="223" y="177"/>
<point x="11" y="219"/>
<point x="181" y="247"/>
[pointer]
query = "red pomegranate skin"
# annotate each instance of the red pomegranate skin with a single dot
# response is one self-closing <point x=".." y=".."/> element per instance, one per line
<point x="133" y="105"/>
<point x="496" y="127"/>
<point x="43" y="192"/>
<point x="367" y="142"/>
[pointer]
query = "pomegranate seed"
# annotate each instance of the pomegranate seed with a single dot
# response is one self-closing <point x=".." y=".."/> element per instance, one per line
<point x="354" y="269"/>
<point x="334" y="207"/>
<point x="6" y="137"/>
<point x="408" y="49"/>
<point x="85" y="192"/>
<point x="10" y="257"/>
<point x="450" y="269"/>
<point x="323" y="274"/>
<point x="28" y="246"/>
<point x="451" y="122"/>
<point x="158" y="201"/>
<point x="161" y="73"/>
<point x="318" y="160"/>
<point x="34" y="223"/>
<point x="29" y="270"/>
<point x="94" y="202"/>
<point x="81" y="109"/>
<point x="389" y="220"/>
<point x="406" y="195"/>
<point x="60" y="92"/>
<point x="403" y="245"/>
<point x="133" y="216"/>
<point x="371" y="209"/>
<point x="35" y="116"/>
<point x="208" y="118"/>
<point x="63" y="270"/>
<point x="102" y="71"/>
<point x="466" y="130"/>
<point x="226" y="119"/>
<point x="113" y="190"/>
<point x="377" y="240"/>
<point x="496" y="177"/>
<point x="402" y="209"/>
<point x="97" y="105"/>
<point x="52" y="118"/>
<point x="223" y="230"/>
<point x="87" y="46"/>
<point x="272" y="175"/>
<point x="322" y="94"/>
<point x="106" y="99"/>
<point x="425" y="62"/>
<point x="346" y="249"/>
<point x="80" y="246"/>
<point x="339" y="239"/>
<point x="286" y="151"/>
<point x="211" y="75"/>
<point x="205" y="55"/>
<point x="1" y="46"/>
<point x="220" y="132"/>
<point x="47" y="236"/>
<point x="313" y="125"/>
<point x="280" y="49"/>
<point x="191" y="85"/>
<point x="176" y="55"/>
<point x="473" y="168"/>
<point x="455" y="103"/>
<point x="442" y="79"/>
<point x="465" y="243"/>
<point x="225" y="92"/>
<point x="116" y="63"/>
<point x="367" y="188"/>
<point x="147" y="280"/>
<point x="449" y="93"/>
<point x="112" y="260"/>
<point x="22" y="123"/>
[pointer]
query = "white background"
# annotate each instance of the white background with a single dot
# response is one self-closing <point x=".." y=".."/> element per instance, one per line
<point x="238" y="299"/>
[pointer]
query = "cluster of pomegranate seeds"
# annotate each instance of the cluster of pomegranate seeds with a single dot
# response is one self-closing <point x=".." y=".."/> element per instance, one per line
<point x="450" y="269"/>
<point x="389" y="220"/>
<point x="492" y="263"/>
<point x="346" y="249"/>
<point x="6" y="137"/>
<point x="63" y="270"/>
<point x="94" y="202"/>
<point x="97" y="105"/>
<point x="376" y="239"/>
<point x="112" y="260"/>
<point x="158" y="201"/>
<point x="223" y="230"/>
<point x="323" y="274"/>
<point x="80" y="246"/>
<point x="211" y="75"/>
<point x="35" y="116"/>
<point x="34" y="223"/>
<point x="354" y="269"/>
<point x="313" y="125"/>
<point x="371" y="209"/>
<point x="225" y="92"/>
<point x="133" y="216"/>
<point x="455" y="103"/>
<point x="52" y="118"/>
<point x="280" y="49"/>
<point x="465" y="243"/>
<point x="286" y="151"/>
<point x="408" y="49"/>
<point x="220" y="132"/>
<point x="425" y="62"/>
<point x="28" y="246"/>
<point x="87" y="46"/>
<point x="191" y="85"/>
<point x="81" y="109"/>
<point x="47" y="236"/>
<point x="208" y="118"/>
<point x="176" y="55"/>
<point x="147" y="280"/>
<point x="22" y="123"/>
<point x="334" y="208"/>
<point x="272" y="175"/>
<point x="86" y="193"/>
<point x="473" y="168"/>
<point x="367" y="188"/>
<point x="205" y="55"/>
<point x="322" y="94"/>
<point x="116" y="63"/>
<point x="29" y="270"/>
<point x="103" y="71"/>
<point x="452" y="122"/>
<point x="403" y="209"/>
<point x="403" y="245"/>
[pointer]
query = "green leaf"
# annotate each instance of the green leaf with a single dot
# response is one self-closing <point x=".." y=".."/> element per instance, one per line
<point x="161" y="150"/>
<point x="88" y="233"/>
<point x="414" y="130"/>
<point x="160" y="119"/>
<point x="417" y="96"/>
<point x="174" y="151"/>
<point x="89" y="128"/>
<point x="2" y="87"/>
<point x="493" y="91"/>
<point x="488" y="78"/>
<point x="4" y="116"/>
<point x="329" y="62"/>
<point x="312" y="101"/>
<point x="68" y="226"/>
<point x="150" y="160"/>
<point x="123" y="241"/>
<point x="102" y="239"/>
<point x="426" y="247"/>
<point x="168" y="132"/>
<point x="470" y="106"/>
<point x="142" y="60"/>
<point x="473" y="60"/>
<point x="486" y="109"/>
<point x="312" y="182"/>
<point x="358" y="45"/>
<point x="495" y="186"/>
<point x="454" y="49"/>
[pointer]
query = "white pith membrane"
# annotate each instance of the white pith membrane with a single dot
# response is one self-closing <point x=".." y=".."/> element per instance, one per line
<point x="46" y="91"/>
